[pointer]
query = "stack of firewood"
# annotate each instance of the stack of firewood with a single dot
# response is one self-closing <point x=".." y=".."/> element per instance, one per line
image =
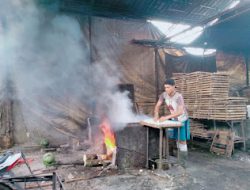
<point x="206" y="96"/>
<point x="91" y="160"/>
<point x="100" y="159"/>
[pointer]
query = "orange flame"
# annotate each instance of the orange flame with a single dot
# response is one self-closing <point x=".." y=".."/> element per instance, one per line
<point x="109" y="137"/>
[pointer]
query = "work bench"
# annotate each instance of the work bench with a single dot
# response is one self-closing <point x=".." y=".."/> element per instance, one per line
<point x="162" y="127"/>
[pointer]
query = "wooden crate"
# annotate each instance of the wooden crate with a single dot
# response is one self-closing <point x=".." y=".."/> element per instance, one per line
<point x="223" y="143"/>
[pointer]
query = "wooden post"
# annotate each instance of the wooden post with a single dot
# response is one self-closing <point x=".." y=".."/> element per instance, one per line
<point x="156" y="74"/>
<point x="160" y="149"/>
<point x="6" y="113"/>
<point x="91" y="60"/>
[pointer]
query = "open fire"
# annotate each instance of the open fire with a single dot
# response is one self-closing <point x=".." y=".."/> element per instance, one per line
<point x="109" y="137"/>
<point x="109" y="157"/>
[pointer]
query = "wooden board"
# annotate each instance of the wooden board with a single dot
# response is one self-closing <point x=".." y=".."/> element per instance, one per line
<point x="165" y="124"/>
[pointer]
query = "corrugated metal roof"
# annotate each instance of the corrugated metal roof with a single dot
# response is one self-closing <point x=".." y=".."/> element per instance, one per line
<point x="232" y="34"/>
<point x="186" y="11"/>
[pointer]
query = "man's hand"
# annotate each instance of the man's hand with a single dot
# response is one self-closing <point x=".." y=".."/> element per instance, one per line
<point x="164" y="118"/>
<point x="156" y="118"/>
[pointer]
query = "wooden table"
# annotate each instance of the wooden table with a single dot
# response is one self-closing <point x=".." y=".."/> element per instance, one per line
<point x="161" y="126"/>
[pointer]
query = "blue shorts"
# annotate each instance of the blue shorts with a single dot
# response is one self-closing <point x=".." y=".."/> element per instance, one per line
<point x="184" y="131"/>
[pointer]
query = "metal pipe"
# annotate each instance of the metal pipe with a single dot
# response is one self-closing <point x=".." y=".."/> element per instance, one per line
<point x="89" y="130"/>
<point x="247" y="70"/>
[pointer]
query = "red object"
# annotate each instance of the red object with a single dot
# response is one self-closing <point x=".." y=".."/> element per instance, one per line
<point x="19" y="162"/>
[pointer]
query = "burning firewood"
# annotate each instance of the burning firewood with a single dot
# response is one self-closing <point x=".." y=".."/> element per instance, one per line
<point x="89" y="157"/>
<point x="110" y="148"/>
<point x="99" y="159"/>
<point x="96" y="162"/>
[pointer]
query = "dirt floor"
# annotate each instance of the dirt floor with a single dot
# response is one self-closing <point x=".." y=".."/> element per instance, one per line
<point x="202" y="170"/>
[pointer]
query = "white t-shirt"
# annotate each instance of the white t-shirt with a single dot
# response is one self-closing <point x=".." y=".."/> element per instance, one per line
<point x="173" y="102"/>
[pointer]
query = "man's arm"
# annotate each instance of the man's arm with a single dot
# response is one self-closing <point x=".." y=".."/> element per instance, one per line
<point x="179" y="111"/>
<point x="157" y="109"/>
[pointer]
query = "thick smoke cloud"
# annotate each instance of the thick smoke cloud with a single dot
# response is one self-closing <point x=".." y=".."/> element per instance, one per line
<point x="47" y="58"/>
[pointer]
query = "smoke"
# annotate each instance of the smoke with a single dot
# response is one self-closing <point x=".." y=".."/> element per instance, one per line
<point x="109" y="101"/>
<point x="47" y="58"/>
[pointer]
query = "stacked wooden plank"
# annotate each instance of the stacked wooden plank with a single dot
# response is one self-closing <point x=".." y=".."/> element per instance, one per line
<point x="206" y="96"/>
<point x="200" y="130"/>
<point x="231" y="108"/>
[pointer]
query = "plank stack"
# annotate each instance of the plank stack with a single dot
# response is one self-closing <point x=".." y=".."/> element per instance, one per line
<point x="206" y="96"/>
<point x="200" y="130"/>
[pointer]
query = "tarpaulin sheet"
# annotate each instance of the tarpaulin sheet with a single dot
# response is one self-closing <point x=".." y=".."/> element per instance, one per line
<point x="106" y="41"/>
<point x="188" y="64"/>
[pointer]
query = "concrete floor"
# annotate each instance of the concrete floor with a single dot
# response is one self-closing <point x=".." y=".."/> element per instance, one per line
<point x="211" y="172"/>
<point x="208" y="171"/>
<point x="202" y="171"/>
